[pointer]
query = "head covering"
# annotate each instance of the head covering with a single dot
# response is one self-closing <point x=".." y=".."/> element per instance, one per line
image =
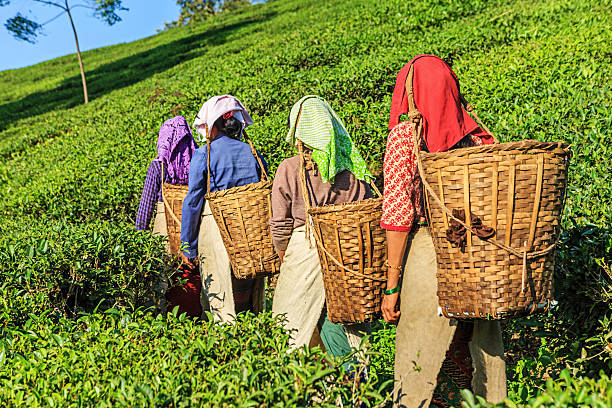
<point x="437" y="98"/>
<point x="216" y="107"/>
<point x="320" y="129"/>
<point x="175" y="145"/>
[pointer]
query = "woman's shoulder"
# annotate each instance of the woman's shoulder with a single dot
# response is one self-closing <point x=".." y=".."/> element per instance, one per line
<point x="199" y="153"/>
<point x="288" y="165"/>
<point x="155" y="166"/>
<point x="403" y="128"/>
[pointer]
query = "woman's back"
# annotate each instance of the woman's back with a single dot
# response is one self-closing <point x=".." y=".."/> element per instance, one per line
<point x="232" y="163"/>
<point x="288" y="209"/>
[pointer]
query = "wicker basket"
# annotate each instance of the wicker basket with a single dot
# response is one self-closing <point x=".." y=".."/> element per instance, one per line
<point x="352" y="251"/>
<point x="518" y="190"/>
<point x="173" y="196"/>
<point x="243" y="216"/>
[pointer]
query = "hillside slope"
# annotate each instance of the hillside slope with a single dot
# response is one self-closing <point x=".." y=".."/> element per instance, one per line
<point x="71" y="174"/>
<point x="525" y="66"/>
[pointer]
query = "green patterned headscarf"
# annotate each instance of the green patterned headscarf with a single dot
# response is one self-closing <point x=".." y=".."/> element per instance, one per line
<point x="320" y="129"/>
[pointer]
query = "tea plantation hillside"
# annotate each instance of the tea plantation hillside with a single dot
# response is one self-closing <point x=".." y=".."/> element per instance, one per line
<point x="75" y="277"/>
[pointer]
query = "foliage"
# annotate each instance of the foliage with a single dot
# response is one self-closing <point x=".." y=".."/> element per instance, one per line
<point x="25" y="29"/>
<point x="537" y="70"/>
<point x="567" y="391"/>
<point x="231" y="5"/>
<point x="537" y="352"/>
<point x="106" y="10"/>
<point x="121" y="359"/>
<point x="68" y="269"/>
<point x="195" y="11"/>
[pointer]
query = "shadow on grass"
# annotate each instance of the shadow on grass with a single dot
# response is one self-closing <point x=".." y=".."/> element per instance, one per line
<point x="121" y="73"/>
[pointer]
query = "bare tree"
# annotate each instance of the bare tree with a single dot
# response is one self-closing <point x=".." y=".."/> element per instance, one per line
<point x="25" y="29"/>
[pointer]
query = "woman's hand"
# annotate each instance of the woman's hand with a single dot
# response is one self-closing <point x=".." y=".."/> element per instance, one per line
<point x="190" y="263"/>
<point x="389" y="308"/>
<point x="281" y="255"/>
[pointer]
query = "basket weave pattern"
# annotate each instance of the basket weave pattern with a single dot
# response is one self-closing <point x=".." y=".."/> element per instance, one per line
<point x="516" y="188"/>
<point x="352" y="234"/>
<point x="243" y="214"/>
<point x="173" y="196"/>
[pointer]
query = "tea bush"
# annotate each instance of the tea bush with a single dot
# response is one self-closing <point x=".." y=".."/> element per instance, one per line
<point x="567" y="391"/>
<point x="68" y="269"/>
<point x="122" y="359"/>
<point x="71" y="174"/>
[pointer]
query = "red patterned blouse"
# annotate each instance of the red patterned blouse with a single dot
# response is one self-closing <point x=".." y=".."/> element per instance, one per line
<point x="402" y="202"/>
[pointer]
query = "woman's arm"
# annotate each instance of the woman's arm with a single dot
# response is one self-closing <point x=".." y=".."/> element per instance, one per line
<point x="396" y="246"/>
<point x="398" y="209"/>
<point x="150" y="194"/>
<point x="193" y="204"/>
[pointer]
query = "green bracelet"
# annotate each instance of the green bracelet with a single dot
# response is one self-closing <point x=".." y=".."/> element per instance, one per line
<point x="391" y="291"/>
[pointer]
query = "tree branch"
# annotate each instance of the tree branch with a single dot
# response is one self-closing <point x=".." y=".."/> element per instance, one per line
<point x="54" y="18"/>
<point x="50" y="3"/>
<point x="82" y="5"/>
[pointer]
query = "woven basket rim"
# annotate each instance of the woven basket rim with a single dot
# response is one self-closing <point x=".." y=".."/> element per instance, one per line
<point x="524" y="145"/>
<point x="260" y="185"/>
<point x="176" y="186"/>
<point x="323" y="209"/>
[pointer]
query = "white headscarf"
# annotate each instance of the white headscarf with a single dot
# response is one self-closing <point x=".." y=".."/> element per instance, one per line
<point x="216" y="107"/>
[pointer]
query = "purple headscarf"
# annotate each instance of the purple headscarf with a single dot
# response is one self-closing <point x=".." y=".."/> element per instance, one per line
<point x="175" y="146"/>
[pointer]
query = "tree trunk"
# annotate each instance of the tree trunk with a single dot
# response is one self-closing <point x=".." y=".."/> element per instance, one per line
<point x="76" y="39"/>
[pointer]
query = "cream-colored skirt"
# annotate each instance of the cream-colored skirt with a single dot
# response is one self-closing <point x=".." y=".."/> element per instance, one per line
<point x="215" y="269"/>
<point x="300" y="295"/>
<point x="423" y="337"/>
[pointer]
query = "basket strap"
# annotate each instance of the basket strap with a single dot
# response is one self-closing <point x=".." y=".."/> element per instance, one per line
<point x="304" y="186"/>
<point x="468" y="107"/>
<point x="264" y="174"/>
<point x="174" y="217"/>
<point x="416" y="117"/>
<point x="207" y="158"/>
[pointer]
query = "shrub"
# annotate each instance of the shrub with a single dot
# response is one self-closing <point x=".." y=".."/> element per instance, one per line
<point x="138" y="360"/>
<point x="69" y="269"/>
<point x="564" y="392"/>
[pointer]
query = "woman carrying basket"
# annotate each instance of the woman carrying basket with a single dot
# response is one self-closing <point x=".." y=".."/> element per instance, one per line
<point x="175" y="146"/>
<point x="221" y="121"/>
<point x="334" y="173"/>
<point x="423" y="336"/>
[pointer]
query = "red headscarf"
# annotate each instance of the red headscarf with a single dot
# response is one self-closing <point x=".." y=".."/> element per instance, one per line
<point x="437" y="98"/>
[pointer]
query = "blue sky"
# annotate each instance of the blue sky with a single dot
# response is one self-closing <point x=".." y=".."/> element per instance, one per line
<point x="142" y="20"/>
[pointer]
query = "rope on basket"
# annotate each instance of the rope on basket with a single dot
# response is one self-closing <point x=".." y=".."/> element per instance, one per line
<point x="416" y="117"/>
<point x="174" y="217"/>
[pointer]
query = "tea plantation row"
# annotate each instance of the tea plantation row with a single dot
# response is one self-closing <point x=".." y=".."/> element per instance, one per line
<point x="71" y="176"/>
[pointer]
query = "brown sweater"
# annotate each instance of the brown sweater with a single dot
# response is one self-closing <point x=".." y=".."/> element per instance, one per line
<point x="288" y="210"/>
